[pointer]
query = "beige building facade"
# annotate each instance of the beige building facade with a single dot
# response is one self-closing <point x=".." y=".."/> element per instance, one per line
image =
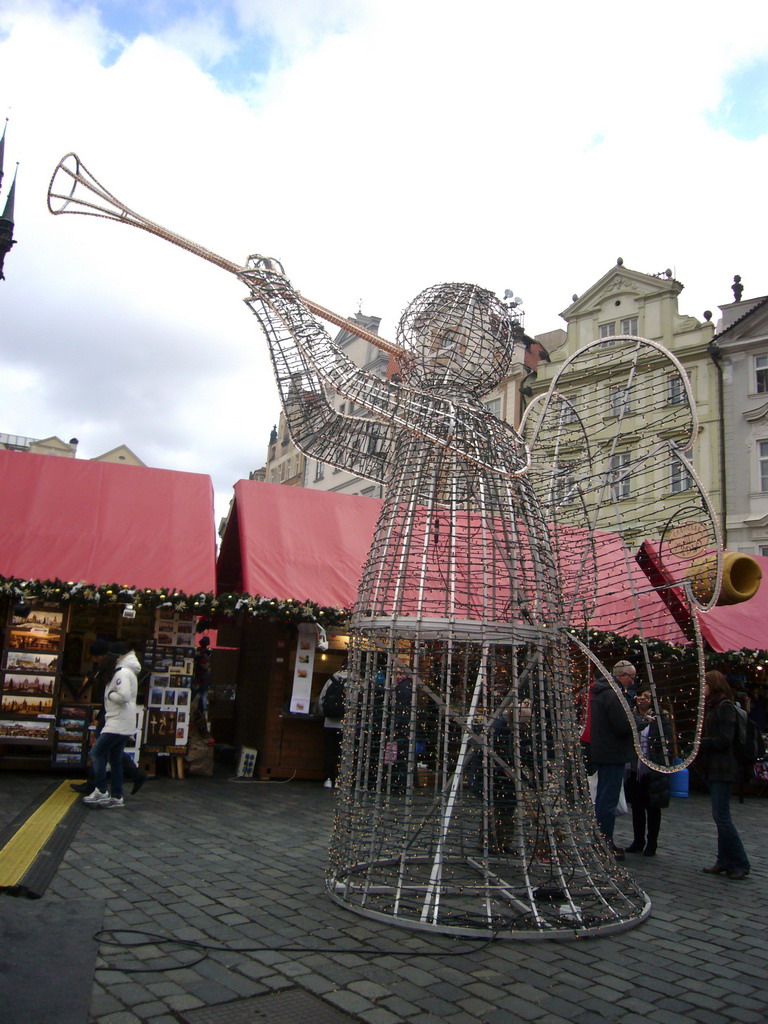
<point x="285" y="463"/>
<point x="625" y="301"/>
<point x="741" y="346"/>
<point x="66" y="449"/>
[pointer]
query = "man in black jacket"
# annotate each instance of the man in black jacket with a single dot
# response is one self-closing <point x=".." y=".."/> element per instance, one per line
<point x="611" y="746"/>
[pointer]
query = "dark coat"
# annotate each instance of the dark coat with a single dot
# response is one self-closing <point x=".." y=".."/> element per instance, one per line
<point x="717" y="759"/>
<point x="611" y="732"/>
<point x="652" y="790"/>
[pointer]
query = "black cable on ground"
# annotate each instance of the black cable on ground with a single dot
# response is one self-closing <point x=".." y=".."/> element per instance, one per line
<point x="105" y="936"/>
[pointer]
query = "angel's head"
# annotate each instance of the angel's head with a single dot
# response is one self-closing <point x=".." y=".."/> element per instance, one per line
<point x="457" y="336"/>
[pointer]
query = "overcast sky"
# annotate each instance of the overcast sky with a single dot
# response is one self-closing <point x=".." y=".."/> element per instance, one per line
<point x="374" y="146"/>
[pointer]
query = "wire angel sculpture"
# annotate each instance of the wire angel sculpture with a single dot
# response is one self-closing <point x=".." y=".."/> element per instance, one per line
<point x="463" y="803"/>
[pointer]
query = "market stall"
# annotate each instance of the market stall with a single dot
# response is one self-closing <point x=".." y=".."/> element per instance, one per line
<point x="95" y="550"/>
<point x="302" y="550"/>
<point x="296" y="549"/>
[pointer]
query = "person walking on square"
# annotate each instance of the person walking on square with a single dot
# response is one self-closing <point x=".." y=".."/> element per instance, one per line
<point x="720" y="769"/>
<point x="610" y="746"/>
<point x="119" y="727"/>
<point x="105" y="664"/>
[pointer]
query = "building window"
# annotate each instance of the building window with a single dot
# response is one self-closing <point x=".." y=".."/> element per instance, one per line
<point x="680" y="478"/>
<point x="620" y="476"/>
<point x="494" y="406"/>
<point x="629" y="325"/>
<point x="620" y="404"/>
<point x="568" y="413"/>
<point x="319" y="470"/>
<point x="762" y="463"/>
<point x="675" y="390"/>
<point x="375" y="444"/>
<point x="761" y="374"/>
<point x="607" y="332"/>
<point x="564" y="484"/>
<point x="764" y="550"/>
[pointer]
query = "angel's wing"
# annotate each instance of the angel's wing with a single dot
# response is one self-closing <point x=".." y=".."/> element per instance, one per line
<point x="610" y="445"/>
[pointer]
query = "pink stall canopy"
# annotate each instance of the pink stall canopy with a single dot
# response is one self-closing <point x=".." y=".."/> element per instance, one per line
<point x="289" y="542"/>
<point x="294" y="543"/>
<point x="611" y="594"/>
<point x="100" y="522"/>
<point x="299" y="544"/>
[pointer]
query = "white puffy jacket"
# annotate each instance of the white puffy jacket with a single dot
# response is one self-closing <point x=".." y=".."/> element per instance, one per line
<point x="120" y="696"/>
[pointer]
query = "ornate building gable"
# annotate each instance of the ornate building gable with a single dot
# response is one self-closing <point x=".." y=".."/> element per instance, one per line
<point x="625" y="301"/>
<point x="619" y="282"/>
<point x="122" y="454"/>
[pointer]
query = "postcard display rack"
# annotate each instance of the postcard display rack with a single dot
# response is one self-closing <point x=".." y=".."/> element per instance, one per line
<point x="29" y="698"/>
<point x="170" y="659"/>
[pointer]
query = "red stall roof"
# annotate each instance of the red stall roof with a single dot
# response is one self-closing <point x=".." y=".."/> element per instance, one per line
<point x="102" y="522"/>
<point x="291" y="542"/>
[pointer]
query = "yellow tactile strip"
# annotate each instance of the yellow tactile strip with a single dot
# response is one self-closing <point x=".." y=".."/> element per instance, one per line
<point x="19" y="853"/>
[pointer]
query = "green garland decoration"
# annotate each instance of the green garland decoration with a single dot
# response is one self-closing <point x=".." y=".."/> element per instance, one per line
<point x="615" y="646"/>
<point x="611" y="645"/>
<point x="208" y="604"/>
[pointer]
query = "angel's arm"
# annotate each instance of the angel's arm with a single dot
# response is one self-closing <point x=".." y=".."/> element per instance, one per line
<point x="307" y="365"/>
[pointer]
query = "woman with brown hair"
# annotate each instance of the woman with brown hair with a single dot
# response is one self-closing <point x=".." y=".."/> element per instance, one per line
<point x="720" y="770"/>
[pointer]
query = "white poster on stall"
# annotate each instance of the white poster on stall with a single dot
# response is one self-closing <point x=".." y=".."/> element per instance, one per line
<point x="301" y="694"/>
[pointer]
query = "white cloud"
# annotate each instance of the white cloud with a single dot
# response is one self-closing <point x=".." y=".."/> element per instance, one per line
<point x="299" y="26"/>
<point x="390" y="145"/>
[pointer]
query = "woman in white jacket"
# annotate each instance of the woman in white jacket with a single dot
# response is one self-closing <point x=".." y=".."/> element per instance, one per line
<point x="119" y="727"/>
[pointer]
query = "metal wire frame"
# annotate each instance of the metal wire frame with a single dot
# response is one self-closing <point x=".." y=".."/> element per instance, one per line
<point x="463" y="800"/>
<point x="464" y="804"/>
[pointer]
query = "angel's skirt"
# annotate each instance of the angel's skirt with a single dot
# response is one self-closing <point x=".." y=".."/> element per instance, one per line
<point x="463" y="802"/>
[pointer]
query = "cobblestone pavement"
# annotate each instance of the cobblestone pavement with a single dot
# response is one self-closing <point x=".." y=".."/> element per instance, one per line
<point x="240" y="865"/>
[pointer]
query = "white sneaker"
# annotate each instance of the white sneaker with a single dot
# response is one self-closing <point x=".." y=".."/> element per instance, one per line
<point x="327" y="784"/>
<point x="114" y="801"/>
<point x="96" y="797"/>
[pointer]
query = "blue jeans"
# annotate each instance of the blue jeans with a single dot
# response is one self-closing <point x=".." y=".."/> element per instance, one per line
<point x="609" y="780"/>
<point x="109" y="748"/>
<point x="730" y="851"/>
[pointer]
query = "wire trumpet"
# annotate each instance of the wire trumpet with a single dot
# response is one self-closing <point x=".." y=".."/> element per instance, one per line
<point x="74" y="189"/>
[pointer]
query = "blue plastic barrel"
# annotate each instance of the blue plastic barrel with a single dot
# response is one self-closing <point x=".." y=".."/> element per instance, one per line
<point x="678" y="783"/>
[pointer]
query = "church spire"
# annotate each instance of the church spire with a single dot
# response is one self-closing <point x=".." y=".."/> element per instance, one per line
<point x="2" y="150"/>
<point x="6" y="221"/>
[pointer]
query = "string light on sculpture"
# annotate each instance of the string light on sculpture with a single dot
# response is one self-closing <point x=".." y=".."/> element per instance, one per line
<point x="498" y="560"/>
